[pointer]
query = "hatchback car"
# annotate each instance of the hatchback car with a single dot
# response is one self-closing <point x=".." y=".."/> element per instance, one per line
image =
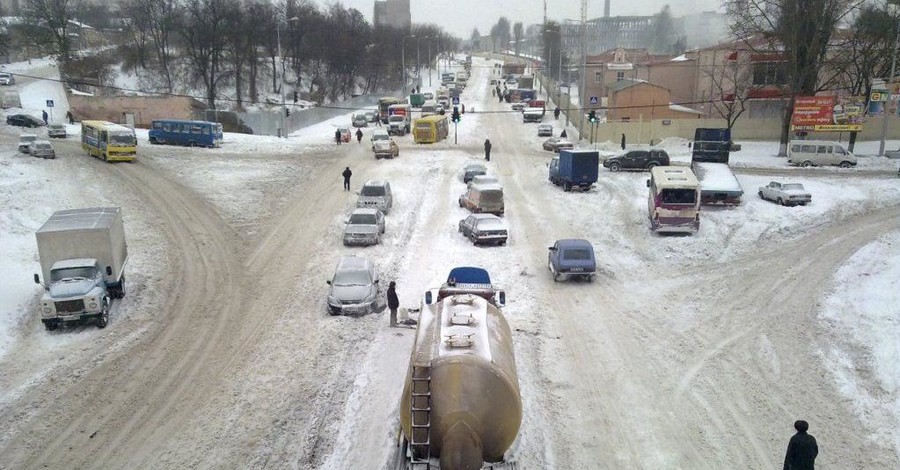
<point x="637" y="160"/>
<point x="386" y="149"/>
<point x="364" y="227"/>
<point x="42" y="149"/>
<point x="545" y="130"/>
<point x="472" y="170"/>
<point x="359" y="120"/>
<point x="345" y="134"/>
<point x="25" y="141"/>
<point x="56" y="130"/>
<point x="484" y="228"/>
<point x="371" y="116"/>
<point x="554" y="144"/>
<point x="572" y="258"/>
<point x="354" y="287"/>
<point x="23" y="120"/>
<point x="7" y="79"/>
<point x="376" y="194"/>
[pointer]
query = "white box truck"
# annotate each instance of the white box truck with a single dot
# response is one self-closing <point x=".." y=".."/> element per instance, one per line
<point x="83" y="256"/>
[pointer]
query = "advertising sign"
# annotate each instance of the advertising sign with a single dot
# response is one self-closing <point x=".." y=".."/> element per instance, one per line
<point x="828" y="114"/>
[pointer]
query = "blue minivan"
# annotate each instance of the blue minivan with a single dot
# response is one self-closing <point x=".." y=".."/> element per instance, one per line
<point x="187" y="133"/>
<point x="572" y="258"/>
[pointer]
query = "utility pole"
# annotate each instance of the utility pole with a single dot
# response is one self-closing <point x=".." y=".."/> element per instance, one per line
<point x="884" y="122"/>
<point x="581" y="89"/>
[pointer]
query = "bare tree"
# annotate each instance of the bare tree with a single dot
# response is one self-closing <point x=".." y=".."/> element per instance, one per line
<point x="50" y="26"/>
<point x="800" y="30"/>
<point x="204" y="28"/>
<point x="475" y="39"/>
<point x="731" y="85"/>
<point x="517" y="34"/>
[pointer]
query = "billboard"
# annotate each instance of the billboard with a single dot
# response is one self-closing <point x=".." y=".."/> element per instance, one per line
<point x="828" y="113"/>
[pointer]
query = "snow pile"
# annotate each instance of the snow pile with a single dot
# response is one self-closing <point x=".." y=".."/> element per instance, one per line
<point x="863" y="313"/>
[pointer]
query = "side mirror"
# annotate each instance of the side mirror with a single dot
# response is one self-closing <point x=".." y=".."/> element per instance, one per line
<point x="551" y="248"/>
<point x="428" y="298"/>
<point x="328" y="282"/>
<point x="37" y="279"/>
<point x="648" y="183"/>
<point x="109" y="271"/>
<point x="502" y="296"/>
<point x="376" y="281"/>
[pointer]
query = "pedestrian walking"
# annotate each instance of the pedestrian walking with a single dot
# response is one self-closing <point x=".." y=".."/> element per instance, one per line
<point x="802" y="449"/>
<point x="44" y="115"/>
<point x="359" y="135"/>
<point x="556" y="113"/>
<point x="337" y="136"/>
<point x="393" y="302"/>
<point x="347" y="174"/>
<point x="70" y="117"/>
<point x="501" y="98"/>
<point x="623" y="141"/>
<point x="487" y="149"/>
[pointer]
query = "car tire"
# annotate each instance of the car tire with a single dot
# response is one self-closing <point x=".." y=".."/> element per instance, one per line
<point x="103" y="319"/>
<point x="614" y="167"/>
<point x="780" y="201"/>
<point x="651" y="165"/>
<point x="806" y="164"/>
<point x="845" y="165"/>
<point x="761" y="195"/>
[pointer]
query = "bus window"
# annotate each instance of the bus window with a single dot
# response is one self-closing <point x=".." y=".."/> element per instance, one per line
<point x="167" y="127"/>
<point x="679" y="196"/>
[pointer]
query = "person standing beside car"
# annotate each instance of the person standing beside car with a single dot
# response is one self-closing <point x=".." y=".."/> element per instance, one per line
<point x="393" y="302"/>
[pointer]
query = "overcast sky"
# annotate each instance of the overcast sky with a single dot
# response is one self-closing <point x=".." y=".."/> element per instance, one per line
<point x="458" y="17"/>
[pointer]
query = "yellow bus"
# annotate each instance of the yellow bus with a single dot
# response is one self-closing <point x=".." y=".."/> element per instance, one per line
<point x="430" y="129"/>
<point x="108" y="141"/>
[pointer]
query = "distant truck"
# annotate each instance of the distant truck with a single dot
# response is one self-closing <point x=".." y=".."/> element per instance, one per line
<point x="416" y="100"/>
<point x="512" y="67"/>
<point x="399" y="119"/>
<point x="575" y="168"/>
<point x="83" y="256"/>
<point x="711" y="145"/>
<point x="718" y="184"/>
<point x="525" y="82"/>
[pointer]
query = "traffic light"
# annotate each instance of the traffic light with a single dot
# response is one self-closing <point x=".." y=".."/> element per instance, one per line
<point x="287" y="112"/>
<point x="455" y="117"/>
<point x="592" y="116"/>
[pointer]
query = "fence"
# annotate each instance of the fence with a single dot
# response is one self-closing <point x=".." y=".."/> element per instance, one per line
<point x="269" y="122"/>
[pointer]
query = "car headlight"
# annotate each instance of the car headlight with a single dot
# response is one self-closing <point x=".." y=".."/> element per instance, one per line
<point x="93" y="304"/>
<point x="332" y="300"/>
<point x="47" y="309"/>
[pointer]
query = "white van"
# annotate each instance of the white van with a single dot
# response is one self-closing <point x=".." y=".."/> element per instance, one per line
<point x="819" y="153"/>
<point x="429" y="108"/>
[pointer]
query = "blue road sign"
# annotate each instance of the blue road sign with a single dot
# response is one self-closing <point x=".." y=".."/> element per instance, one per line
<point x="49" y="103"/>
<point x="455" y="100"/>
<point x="595" y="100"/>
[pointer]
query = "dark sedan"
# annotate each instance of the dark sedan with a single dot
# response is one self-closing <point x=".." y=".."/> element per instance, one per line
<point x="638" y="160"/>
<point x="23" y="120"/>
<point x="554" y="144"/>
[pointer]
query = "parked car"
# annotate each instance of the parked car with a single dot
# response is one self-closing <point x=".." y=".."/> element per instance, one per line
<point x="41" y="149"/>
<point x="23" y="120"/>
<point x="483" y="198"/>
<point x="572" y="258"/>
<point x="553" y="144"/>
<point x="484" y="179"/>
<point x="25" y="141"/>
<point x="545" y="130"/>
<point x="354" y="287"/>
<point x="379" y="134"/>
<point x="637" y="160"/>
<point x="376" y="194"/>
<point x="7" y="79"/>
<point x="371" y="116"/>
<point x="484" y="228"/>
<point x="785" y="194"/>
<point x="471" y="170"/>
<point x="345" y="134"/>
<point x="364" y="227"/>
<point x="56" y="130"/>
<point x="819" y="152"/>
<point x="386" y="149"/>
<point x="359" y="120"/>
<point x="520" y="106"/>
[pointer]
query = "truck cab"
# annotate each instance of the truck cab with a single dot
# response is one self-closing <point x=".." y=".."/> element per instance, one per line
<point x="76" y="291"/>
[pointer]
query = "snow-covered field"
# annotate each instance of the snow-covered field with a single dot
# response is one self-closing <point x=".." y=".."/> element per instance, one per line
<point x="687" y="352"/>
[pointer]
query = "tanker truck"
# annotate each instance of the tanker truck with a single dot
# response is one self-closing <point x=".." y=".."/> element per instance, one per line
<point x="461" y="400"/>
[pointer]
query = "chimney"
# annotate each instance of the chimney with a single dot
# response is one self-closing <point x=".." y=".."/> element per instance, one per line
<point x="606" y="9"/>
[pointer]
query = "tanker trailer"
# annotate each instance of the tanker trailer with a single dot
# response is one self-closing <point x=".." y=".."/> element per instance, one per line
<point x="461" y="398"/>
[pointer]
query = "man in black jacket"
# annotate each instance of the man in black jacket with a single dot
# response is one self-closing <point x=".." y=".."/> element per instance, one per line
<point x="346" y="174"/>
<point x="393" y="302"/>
<point x="487" y="149"/>
<point x="802" y="449"/>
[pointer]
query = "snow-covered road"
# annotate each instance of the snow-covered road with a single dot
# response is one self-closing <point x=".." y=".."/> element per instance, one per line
<point x="686" y="352"/>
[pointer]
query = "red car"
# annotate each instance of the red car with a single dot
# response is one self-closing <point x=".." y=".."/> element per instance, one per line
<point x="345" y="134"/>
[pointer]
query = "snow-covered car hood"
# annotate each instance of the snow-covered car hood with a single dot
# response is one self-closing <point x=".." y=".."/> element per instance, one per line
<point x="351" y="293"/>
<point x="361" y="229"/>
<point x="73" y="288"/>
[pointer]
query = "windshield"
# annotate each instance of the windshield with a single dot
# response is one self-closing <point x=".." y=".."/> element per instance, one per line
<point x="396" y="118"/>
<point x="794" y="186"/>
<point x="372" y="191"/>
<point x="121" y="138"/>
<point x="352" y="278"/>
<point x="363" y="219"/>
<point x="380" y="137"/>
<point x="27" y="138"/>
<point x="42" y="146"/>
<point x="491" y="196"/>
<point x="577" y="254"/>
<point x="679" y="196"/>
<point x="82" y="272"/>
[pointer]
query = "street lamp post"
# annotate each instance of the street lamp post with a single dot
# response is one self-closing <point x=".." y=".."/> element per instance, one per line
<point x="429" y="61"/>
<point x="403" y="57"/>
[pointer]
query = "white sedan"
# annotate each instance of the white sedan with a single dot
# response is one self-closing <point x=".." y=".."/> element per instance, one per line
<point x="785" y="194"/>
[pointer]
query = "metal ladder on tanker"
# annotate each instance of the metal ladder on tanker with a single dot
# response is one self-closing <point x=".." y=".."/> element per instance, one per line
<point x="420" y="418"/>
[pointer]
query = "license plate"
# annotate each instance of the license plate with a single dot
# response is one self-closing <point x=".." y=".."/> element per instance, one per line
<point x="577" y="270"/>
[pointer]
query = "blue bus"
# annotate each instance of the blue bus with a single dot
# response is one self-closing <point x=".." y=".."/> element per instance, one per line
<point x="189" y="133"/>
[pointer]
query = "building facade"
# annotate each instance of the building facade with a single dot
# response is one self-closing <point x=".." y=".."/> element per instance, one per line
<point x="392" y="13"/>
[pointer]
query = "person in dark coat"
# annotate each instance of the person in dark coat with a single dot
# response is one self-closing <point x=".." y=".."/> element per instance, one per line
<point x="487" y="149"/>
<point x="44" y="115"/>
<point x="556" y="113"/>
<point x="393" y="302"/>
<point x="802" y="449"/>
<point x="337" y="136"/>
<point x="623" y="141"/>
<point x="70" y="117"/>
<point x="359" y="135"/>
<point x="346" y="174"/>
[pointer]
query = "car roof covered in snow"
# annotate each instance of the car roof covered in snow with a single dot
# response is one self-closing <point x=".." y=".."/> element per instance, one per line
<point x="572" y="243"/>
